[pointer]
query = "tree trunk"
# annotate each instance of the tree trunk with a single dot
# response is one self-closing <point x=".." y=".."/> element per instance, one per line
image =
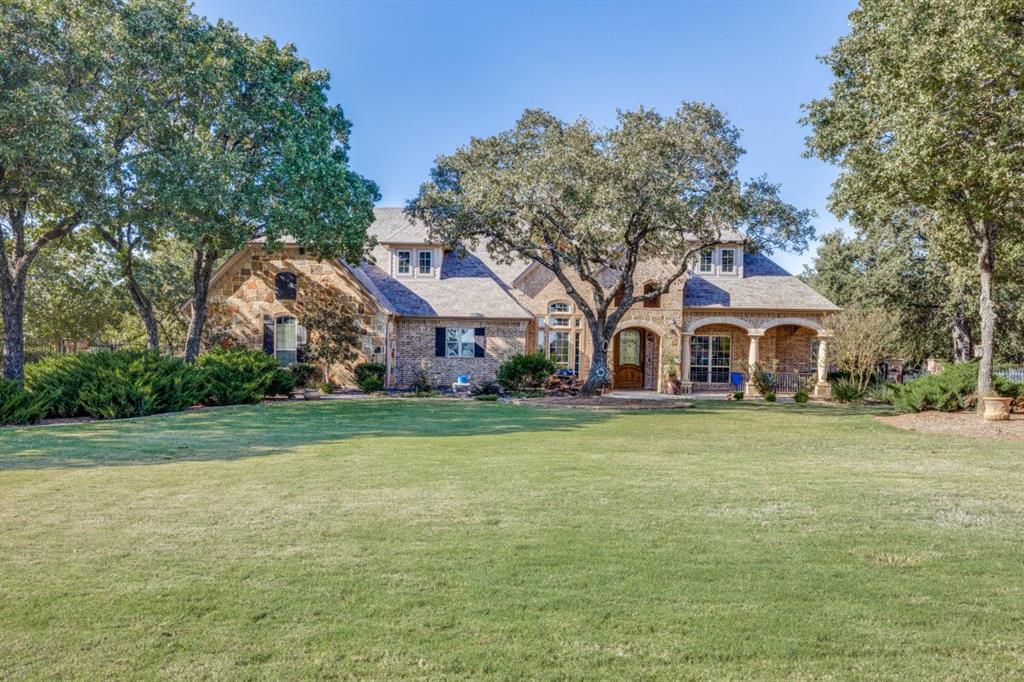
<point x="13" y="305"/>
<point x="142" y="304"/>
<point x="961" y="330"/>
<point x="202" y="270"/>
<point x="986" y="268"/>
<point x="598" y="377"/>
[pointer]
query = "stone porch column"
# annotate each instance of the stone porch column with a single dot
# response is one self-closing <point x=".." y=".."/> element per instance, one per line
<point x="752" y="357"/>
<point x="684" y="371"/>
<point x="822" y="389"/>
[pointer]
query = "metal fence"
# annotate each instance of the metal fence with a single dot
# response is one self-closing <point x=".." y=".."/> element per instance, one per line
<point x="1012" y="373"/>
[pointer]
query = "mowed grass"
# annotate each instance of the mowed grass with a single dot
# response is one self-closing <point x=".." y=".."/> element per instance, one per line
<point x="434" y="540"/>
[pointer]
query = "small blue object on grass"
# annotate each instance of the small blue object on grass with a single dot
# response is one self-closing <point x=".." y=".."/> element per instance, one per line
<point x="736" y="379"/>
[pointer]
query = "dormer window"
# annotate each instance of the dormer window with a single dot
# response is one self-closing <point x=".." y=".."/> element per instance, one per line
<point x="729" y="260"/>
<point x="404" y="262"/>
<point x="426" y="262"/>
<point x="707" y="261"/>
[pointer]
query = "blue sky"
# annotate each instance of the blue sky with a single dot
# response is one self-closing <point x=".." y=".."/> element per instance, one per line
<point x="417" y="79"/>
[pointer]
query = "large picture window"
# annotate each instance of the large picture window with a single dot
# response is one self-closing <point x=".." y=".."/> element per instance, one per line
<point x="459" y="343"/>
<point x="710" y="359"/>
<point x="558" y="349"/>
<point x="557" y="338"/>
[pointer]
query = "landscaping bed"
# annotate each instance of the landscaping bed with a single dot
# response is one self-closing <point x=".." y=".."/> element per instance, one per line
<point x="958" y="424"/>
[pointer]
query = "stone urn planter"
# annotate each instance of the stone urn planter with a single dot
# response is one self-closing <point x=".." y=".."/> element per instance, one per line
<point x="311" y="394"/>
<point x="995" y="409"/>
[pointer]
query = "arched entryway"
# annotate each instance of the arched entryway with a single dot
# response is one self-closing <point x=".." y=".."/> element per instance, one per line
<point x="635" y="359"/>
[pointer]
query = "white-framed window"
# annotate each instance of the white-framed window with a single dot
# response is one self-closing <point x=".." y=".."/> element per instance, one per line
<point x="426" y="262"/>
<point x="559" y="307"/>
<point x="288" y="336"/>
<point x="459" y="343"/>
<point x="559" y="345"/>
<point x="710" y="359"/>
<point x="728" y="260"/>
<point x="404" y="266"/>
<point x="707" y="263"/>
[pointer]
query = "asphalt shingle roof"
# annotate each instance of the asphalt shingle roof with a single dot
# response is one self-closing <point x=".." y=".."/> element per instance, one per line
<point x="474" y="285"/>
<point x="764" y="285"/>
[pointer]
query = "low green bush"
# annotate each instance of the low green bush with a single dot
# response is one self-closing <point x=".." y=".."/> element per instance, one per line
<point x="371" y="384"/>
<point x="369" y="376"/>
<point x="954" y="388"/>
<point x="486" y="388"/>
<point x="126" y="384"/>
<point x="846" y="391"/>
<point x="62" y="376"/>
<point x="738" y="395"/>
<point x="240" y="376"/>
<point x="19" y="405"/>
<point x="770" y="397"/>
<point x="519" y="372"/>
<point x="801" y="397"/>
<point x="328" y="387"/>
<point x="303" y="374"/>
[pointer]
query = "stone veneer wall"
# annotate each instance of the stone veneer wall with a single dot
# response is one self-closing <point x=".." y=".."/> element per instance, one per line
<point x="242" y="295"/>
<point x="414" y="344"/>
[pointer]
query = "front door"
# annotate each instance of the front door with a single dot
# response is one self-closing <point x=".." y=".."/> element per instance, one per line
<point x="629" y="359"/>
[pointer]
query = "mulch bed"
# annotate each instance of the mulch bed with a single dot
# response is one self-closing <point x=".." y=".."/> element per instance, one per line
<point x="605" y="402"/>
<point x="958" y="424"/>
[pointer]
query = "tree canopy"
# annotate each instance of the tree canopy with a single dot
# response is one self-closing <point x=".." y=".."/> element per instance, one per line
<point x="584" y="202"/>
<point x="925" y="113"/>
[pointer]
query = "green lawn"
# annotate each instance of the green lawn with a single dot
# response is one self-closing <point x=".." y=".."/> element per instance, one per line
<point x="464" y="540"/>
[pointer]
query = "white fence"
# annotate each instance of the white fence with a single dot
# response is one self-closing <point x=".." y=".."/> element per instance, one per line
<point x="1012" y="373"/>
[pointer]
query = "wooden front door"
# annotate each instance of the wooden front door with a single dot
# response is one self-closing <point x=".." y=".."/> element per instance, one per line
<point x="629" y="359"/>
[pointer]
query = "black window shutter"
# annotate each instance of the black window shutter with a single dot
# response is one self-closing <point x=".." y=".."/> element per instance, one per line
<point x="300" y="352"/>
<point x="439" y="334"/>
<point x="480" y="349"/>
<point x="285" y="285"/>
<point x="268" y="335"/>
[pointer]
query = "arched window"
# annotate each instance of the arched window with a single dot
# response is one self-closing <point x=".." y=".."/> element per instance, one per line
<point x="559" y="307"/>
<point x="289" y="338"/>
<point x="286" y="286"/>
<point x="656" y="301"/>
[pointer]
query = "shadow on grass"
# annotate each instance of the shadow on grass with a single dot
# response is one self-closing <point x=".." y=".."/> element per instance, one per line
<point x="250" y="431"/>
<point x="812" y="409"/>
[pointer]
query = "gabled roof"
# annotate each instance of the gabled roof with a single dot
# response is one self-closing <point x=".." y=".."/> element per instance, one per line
<point x="764" y="285"/>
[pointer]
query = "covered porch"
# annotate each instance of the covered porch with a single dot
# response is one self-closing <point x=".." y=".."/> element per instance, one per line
<point x="719" y="353"/>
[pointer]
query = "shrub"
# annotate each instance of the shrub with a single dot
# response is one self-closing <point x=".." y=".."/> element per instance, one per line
<point x="283" y="382"/>
<point x="801" y="397"/>
<point x="486" y="396"/>
<point x="302" y="374"/>
<point x="124" y="384"/>
<point x="21" y="406"/>
<point x="485" y="388"/>
<point x="525" y="371"/>
<point x="328" y="387"/>
<point x="846" y="390"/>
<point x="763" y="378"/>
<point x="769" y="397"/>
<point x="371" y="384"/>
<point x="881" y="393"/>
<point x="240" y="376"/>
<point x="62" y="377"/>
<point x="422" y="383"/>
<point x="954" y="388"/>
<point x="369" y="376"/>
<point x="738" y="395"/>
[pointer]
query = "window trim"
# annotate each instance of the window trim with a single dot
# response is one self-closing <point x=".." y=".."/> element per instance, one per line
<point x="460" y="335"/>
<point x="299" y="336"/>
<point x="559" y="312"/>
<point x="430" y="262"/>
<point x="710" y="253"/>
<point x="398" y="262"/>
<point x="709" y="367"/>
<point x="721" y="261"/>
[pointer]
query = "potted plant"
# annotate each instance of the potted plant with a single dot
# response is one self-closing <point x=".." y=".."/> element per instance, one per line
<point x="995" y="408"/>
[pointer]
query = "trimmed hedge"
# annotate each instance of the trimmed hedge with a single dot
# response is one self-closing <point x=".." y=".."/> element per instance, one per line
<point x="369" y="376"/>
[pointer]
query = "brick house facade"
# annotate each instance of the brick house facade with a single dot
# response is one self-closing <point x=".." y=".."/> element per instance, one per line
<point x="425" y="308"/>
